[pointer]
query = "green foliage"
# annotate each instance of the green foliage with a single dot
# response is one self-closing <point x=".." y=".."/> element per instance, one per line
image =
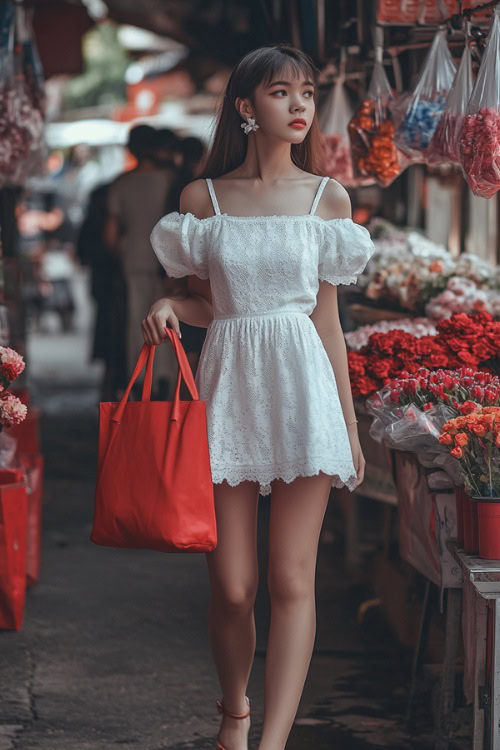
<point x="103" y="81"/>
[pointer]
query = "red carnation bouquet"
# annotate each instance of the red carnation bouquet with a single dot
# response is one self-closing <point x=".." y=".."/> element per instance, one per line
<point x="465" y="339"/>
<point x="411" y="410"/>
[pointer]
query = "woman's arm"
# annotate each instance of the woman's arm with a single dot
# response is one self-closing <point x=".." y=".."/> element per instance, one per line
<point x="190" y="299"/>
<point x="325" y="317"/>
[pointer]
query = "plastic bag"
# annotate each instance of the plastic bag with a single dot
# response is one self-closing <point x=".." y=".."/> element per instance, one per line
<point x="479" y="141"/>
<point x="418" y="115"/>
<point x="21" y="123"/>
<point x="333" y="121"/>
<point x="371" y="132"/>
<point x="444" y="145"/>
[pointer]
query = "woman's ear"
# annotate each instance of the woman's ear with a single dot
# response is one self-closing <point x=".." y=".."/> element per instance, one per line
<point x="243" y="107"/>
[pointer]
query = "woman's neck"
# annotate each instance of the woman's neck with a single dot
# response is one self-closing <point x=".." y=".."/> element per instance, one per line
<point x="267" y="159"/>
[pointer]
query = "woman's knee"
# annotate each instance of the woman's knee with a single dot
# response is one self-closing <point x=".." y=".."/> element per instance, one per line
<point x="236" y="599"/>
<point x="290" y="583"/>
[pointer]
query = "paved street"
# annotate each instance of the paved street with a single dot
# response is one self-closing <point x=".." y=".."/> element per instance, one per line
<point x="114" y="651"/>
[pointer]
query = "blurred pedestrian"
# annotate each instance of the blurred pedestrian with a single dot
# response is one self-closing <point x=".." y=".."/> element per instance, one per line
<point x="108" y="289"/>
<point x="57" y="270"/>
<point x="136" y="201"/>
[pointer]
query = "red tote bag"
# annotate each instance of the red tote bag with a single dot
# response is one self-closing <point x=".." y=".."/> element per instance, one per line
<point x="154" y="484"/>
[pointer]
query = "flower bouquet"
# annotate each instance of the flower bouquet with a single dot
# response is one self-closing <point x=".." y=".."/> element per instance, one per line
<point x="474" y="440"/>
<point x="411" y="410"/>
<point x="12" y="410"/>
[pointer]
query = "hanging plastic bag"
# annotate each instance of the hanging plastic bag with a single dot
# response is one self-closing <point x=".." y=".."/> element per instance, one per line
<point x="479" y="147"/>
<point x="418" y="115"/>
<point x="21" y="124"/>
<point x="444" y="145"/>
<point x="371" y="131"/>
<point x="333" y="121"/>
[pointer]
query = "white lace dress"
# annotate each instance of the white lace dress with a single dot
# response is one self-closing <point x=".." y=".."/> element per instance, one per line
<point x="273" y="409"/>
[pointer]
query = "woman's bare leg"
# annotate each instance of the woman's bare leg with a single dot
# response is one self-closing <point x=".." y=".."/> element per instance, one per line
<point x="234" y="575"/>
<point x="297" y="513"/>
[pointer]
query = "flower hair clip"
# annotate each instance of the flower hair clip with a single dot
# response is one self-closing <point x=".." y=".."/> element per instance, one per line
<point x="249" y="125"/>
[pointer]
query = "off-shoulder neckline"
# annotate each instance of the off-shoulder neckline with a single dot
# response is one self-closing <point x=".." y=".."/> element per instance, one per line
<point x="314" y="217"/>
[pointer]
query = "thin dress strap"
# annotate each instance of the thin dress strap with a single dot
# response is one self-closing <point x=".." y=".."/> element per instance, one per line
<point x="318" y="195"/>
<point x="212" y="195"/>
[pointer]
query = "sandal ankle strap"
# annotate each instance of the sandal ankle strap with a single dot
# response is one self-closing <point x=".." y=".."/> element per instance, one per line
<point x="222" y="710"/>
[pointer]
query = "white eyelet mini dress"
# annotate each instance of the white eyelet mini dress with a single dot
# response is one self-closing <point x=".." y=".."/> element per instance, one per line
<point x="273" y="409"/>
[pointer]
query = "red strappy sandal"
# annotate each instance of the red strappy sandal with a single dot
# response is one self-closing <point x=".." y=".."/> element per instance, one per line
<point x="222" y="710"/>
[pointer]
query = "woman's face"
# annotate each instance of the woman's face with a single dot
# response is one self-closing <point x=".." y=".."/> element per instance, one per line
<point x="286" y="98"/>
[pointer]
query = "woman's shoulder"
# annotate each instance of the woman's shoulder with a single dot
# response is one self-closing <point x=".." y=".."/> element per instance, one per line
<point x="335" y="202"/>
<point x="195" y="199"/>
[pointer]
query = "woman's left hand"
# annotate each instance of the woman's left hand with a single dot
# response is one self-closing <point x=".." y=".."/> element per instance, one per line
<point x="357" y="453"/>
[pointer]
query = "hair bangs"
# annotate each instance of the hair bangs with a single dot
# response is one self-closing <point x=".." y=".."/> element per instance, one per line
<point x="282" y="66"/>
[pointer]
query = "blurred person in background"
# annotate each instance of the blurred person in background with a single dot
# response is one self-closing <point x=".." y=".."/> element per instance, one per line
<point x="109" y="291"/>
<point x="166" y="147"/>
<point x="136" y="201"/>
<point x="57" y="267"/>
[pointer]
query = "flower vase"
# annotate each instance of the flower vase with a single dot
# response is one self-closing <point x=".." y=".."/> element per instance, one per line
<point x="470" y="521"/>
<point x="488" y="511"/>
<point x="459" y="504"/>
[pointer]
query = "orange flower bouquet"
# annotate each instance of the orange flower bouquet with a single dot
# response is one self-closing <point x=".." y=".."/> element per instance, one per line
<point x="474" y="439"/>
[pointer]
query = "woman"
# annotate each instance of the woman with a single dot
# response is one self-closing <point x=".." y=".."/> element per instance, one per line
<point x="265" y="245"/>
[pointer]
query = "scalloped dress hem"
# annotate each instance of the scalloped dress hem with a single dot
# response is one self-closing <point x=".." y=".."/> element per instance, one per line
<point x="234" y="475"/>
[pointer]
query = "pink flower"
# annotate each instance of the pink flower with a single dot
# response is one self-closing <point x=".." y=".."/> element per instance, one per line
<point x="11" y="363"/>
<point x="12" y="411"/>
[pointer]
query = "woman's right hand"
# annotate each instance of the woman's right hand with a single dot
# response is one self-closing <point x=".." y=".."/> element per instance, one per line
<point x="153" y="326"/>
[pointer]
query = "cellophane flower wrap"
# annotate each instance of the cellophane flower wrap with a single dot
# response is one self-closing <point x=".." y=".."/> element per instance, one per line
<point x="411" y="410"/>
<point x="418" y="115"/>
<point x="479" y="147"/>
<point x="444" y="144"/>
<point x="474" y="440"/>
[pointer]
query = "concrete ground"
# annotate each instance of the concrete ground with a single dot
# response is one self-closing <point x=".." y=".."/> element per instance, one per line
<point x="114" y="649"/>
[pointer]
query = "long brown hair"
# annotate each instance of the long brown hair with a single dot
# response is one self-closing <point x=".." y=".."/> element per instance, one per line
<point x="262" y="65"/>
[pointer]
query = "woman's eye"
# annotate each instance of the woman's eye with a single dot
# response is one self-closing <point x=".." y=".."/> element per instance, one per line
<point x="283" y="91"/>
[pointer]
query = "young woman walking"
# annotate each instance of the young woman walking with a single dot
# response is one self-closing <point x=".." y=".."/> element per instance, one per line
<point x="265" y="240"/>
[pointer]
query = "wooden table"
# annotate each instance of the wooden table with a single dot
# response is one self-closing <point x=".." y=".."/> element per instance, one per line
<point x="483" y="579"/>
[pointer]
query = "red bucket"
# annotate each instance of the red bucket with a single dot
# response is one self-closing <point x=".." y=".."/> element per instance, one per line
<point x="489" y="530"/>
<point x="459" y="502"/>
<point x="471" y="531"/>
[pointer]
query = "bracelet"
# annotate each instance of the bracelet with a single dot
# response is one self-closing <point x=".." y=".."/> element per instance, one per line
<point x="348" y="423"/>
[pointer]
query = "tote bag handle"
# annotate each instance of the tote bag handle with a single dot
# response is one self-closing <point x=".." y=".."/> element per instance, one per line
<point x="146" y="357"/>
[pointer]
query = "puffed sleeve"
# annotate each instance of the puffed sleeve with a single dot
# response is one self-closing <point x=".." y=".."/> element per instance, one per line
<point x="180" y="242"/>
<point x="345" y="250"/>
